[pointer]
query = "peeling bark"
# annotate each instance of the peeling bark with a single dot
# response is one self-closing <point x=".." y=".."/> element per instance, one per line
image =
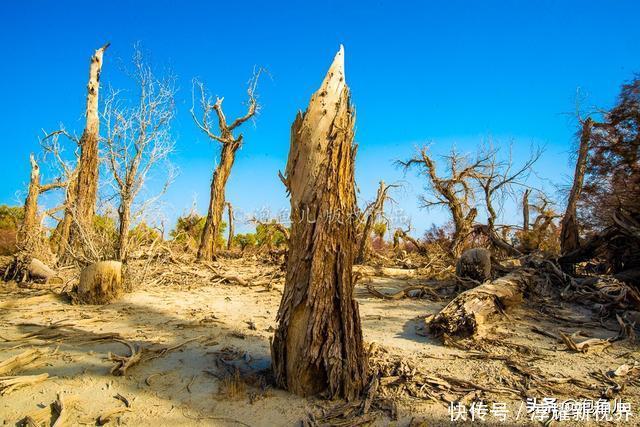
<point x="86" y="186"/>
<point x="569" y="234"/>
<point x="318" y="344"/>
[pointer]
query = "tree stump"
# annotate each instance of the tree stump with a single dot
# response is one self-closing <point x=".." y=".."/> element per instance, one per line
<point x="317" y="347"/>
<point x="474" y="264"/>
<point x="100" y="283"/>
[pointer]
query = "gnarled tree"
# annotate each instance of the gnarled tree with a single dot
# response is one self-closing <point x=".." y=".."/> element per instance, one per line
<point x="30" y="228"/>
<point x="496" y="182"/>
<point x="453" y="190"/>
<point x="138" y="139"/>
<point x="318" y="346"/>
<point x="373" y="211"/>
<point x="229" y="145"/>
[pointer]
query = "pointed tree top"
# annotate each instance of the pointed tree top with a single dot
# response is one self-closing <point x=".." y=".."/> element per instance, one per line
<point x="334" y="81"/>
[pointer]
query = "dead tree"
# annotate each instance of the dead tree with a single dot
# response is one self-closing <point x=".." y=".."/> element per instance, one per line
<point x="230" y="218"/>
<point x="453" y="191"/>
<point x="318" y="346"/>
<point x="498" y="179"/>
<point x="229" y="145"/>
<point x="86" y="186"/>
<point x="138" y="140"/>
<point x="29" y="230"/>
<point x="374" y="210"/>
<point x="496" y="182"/>
<point x="525" y="210"/>
<point x="50" y="143"/>
<point x="404" y="235"/>
<point x="569" y="234"/>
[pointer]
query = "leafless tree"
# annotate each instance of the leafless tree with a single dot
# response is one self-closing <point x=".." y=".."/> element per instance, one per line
<point x="138" y="139"/>
<point x="31" y="224"/>
<point x="569" y="233"/>
<point x="372" y="212"/>
<point x="454" y="189"/>
<point x="317" y="346"/>
<point x="496" y="182"/>
<point x="229" y="145"/>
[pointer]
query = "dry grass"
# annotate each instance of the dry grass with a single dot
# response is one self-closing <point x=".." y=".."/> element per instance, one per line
<point x="233" y="387"/>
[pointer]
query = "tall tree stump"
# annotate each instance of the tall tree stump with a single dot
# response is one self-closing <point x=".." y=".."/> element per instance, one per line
<point x="317" y="347"/>
<point x="474" y="264"/>
<point x="100" y="283"/>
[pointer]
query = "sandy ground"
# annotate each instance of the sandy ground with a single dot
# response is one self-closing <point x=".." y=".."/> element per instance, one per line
<point x="183" y="386"/>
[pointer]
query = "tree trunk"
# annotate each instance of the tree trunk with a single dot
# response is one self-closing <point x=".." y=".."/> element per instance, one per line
<point x="471" y="311"/>
<point x="86" y="186"/>
<point x="63" y="229"/>
<point x="30" y="223"/>
<point x="474" y="264"/>
<point x="124" y="213"/>
<point x="230" y="215"/>
<point x="206" y="251"/>
<point x="376" y="208"/>
<point x="100" y="283"/>
<point x="525" y="210"/>
<point x="569" y="234"/>
<point x="318" y="344"/>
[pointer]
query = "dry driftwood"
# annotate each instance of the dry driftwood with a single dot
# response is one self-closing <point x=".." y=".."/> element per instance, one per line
<point x="100" y="283"/>
<point x="139" y="354"/>
<point x="472" y="310"/>
<point x="12" y="383"/>
<point x="318" y="344"/>
<point x="474" y="264"/>
<point x="19" y="361"/>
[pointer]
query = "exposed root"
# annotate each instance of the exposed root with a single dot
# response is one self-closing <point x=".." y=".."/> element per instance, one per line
<point x="138" y="355"/>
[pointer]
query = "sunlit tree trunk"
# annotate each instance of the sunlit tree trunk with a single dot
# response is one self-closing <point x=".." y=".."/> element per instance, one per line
<point x="212" y="224"/>
<point x="86" y="187"/>
<point x="30" y="229"/>
<point x="230" y="144"/>
<point x="230" y="216"/>
<point x="318" y="344"/>
<point x="124" y="219"/>
<point x="569" y="234"/>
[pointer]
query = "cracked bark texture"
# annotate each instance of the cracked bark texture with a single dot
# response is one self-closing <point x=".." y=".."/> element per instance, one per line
<point x="317" y="347"/>
<point x="86" y="185"/>
<point x="569" y="233"/>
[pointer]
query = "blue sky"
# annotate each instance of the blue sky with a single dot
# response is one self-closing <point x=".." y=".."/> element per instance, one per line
<point x="444" y="73"/>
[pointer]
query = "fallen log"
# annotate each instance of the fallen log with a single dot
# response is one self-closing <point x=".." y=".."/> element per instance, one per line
<point x="471" y="311"/>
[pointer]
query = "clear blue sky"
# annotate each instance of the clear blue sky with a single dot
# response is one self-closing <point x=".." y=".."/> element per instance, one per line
<point x="448" y="73"/>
